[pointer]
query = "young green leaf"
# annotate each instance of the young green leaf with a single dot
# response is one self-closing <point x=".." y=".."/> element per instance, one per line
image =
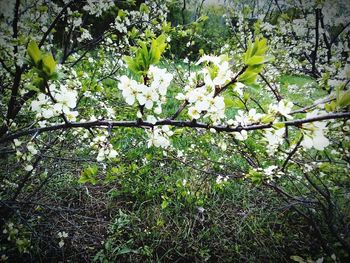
<point x="34" y="52"/>
<point x="248" y="77"/>
<point x="89" y="175"/>
<point x="229" y="102"/>
<point x="267" y="119"/>
<point x="278" y="125"/>
<point x="255" y="60"/>
<point x="145" y="57"/>
<point x="158" y="46"/>
<point x="255" y="176"/>
<point x="132" y="65"/>
<point x="344" y="99"/>
<point x="144" y="8"/>
<point x="49" y="64"/>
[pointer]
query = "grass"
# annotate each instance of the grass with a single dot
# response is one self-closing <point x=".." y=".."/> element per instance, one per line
<point x="238" y="223"/>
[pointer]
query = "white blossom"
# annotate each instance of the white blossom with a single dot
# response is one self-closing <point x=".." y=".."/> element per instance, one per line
<point x="193" y="113"/>
<point x="283" y="107"/>
<point x="159" y="137"/>
<point x="274" y="138"/>
<point x="314" y="133"/>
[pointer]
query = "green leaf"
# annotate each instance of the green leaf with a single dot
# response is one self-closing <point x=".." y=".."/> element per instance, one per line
<point x="213" y="71"/>
<point x="298" y="259"/>
<point x="239" y="104"/>
<point x="109" y="178"/>
<point x="149" y="34"/>
<point x="132" y="64"/>
<point x="278" y="125"/>
<point x="121" y="13"/>
<point x="331" y="106"/>
<point x="255" y="54"/>
<point x="157" y="48"/>
<point x="344" y="99"/>
<point x="267" y="119"/>
<point x="297" y="137"/>
<point x="248" y="77"/>
<point x="38" y="82"/>
<point x="43" y="9"/>
<point x="255" y="47"/>
<point x="144" y="8"/>
<point x="34" y="52"/>
<point x="203" y="18"/>
<point x="248" y="53"/>
<point x="126" y="250"/>
<point x="166" y="27"/>
<point x="246" y="96"/>
<point x="160" y="222"/>
<point x="255" y="177"/>
<point x="145" y="57"/>
<point x="178" y="132"/>
<point x="133" y="33"/>
<point x="229" y="102"/>
<point x="49" y="64"/>
<point x="89" y="175"/>
<point x="261" y="47"/>
<point x="255" y="60"/>
<point x="165" y="204"/>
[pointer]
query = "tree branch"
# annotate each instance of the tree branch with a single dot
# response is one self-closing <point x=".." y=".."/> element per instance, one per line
<point x="190" y="124"/>
<point x="317" y="37"/>
<point x="290" y="155"/>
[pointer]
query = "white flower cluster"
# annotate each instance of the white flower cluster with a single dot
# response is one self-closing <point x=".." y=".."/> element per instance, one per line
<point x="159" y="137"/>
<point x="85" y="35"/>
<point x="142" y="20"/>
<point x="63" y="100"/>
<point x="221" y="65"/>
<point x="283" y="107"/>
<point x="97" y="7"/>
<point x="201" y="99"/>
<point x="243" y="119"/>
<point x="121" y="24"/>
<point x="25" y="154"/>
<point x="147" y="95"/>
<point x="274" y="138"/>
<point x="10" y="228"/>
<point x="271" y="172"/>
<point x="104" y="147"/>
<point x="62" y="235"/>
<point x="221" y="179"/>
<point x="314" y="133"/>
